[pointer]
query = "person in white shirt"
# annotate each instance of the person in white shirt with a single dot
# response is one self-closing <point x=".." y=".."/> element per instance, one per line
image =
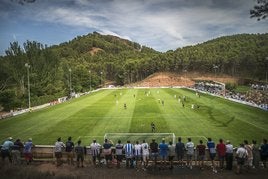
<point x="241" y="155"/>
<point x="145" y="153"/>
<point x="229" y="155"/>
<point x="58" y="151"/>
<point x="95" y="151"/>
<point x="137" y="154"/>
<point x="190" y="152"/>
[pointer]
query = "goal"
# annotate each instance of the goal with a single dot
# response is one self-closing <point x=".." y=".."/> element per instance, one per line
<point x="133" y="137"/>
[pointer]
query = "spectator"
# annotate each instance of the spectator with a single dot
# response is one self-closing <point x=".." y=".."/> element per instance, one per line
<point x="221" y="149"/>
<point x="229" y="155"/>
<point x="6" y="149"/>
<point x="95" y="151"/>
<point x="16" y="152"/>
<point x="163" y="151"/>
<point x="201" y="152"/>
<point x="137" y="154"/>
<point x="256" y="154"/>
<point x="180" y="151"/>
<point x="107" y="151"/>
<point x="58" y="151"/>
<point x="212" y="153"/>
<point x="190" y="152"/>
<point x="264" y="152"/>
<point x="145" y="154"/>
<point x="69" y="151"/>
<point x="250" y="154"/>
<point x="79" y="150"/>
<point x="154" y="151"/>
<point x="28" y="151"/>
<point x="119" y="152"/>
<point x="241" y="155"/>
<point x="171" y="154"/>
<point x="129" y="154"/>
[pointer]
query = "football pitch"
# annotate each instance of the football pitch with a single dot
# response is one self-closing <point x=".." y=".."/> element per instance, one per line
<point x="92" y="116"/>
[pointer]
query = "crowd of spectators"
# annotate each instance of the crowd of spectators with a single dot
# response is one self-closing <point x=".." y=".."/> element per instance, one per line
<point x="138" y="154"/>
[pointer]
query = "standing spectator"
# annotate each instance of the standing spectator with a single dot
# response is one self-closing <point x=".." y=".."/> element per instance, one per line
<point x="145" y="154"/>
<point x="190" y="152"/>
<point x="256" y="154"/>
<point x="6" y="149"/>
<point x="28" y="151"/>
<point x="180" y="151"/>
<point x="154" y="151"/>
<point x="129" y="154"/>
<point x="107" y="151"/>
<point x="58" y="151"/>
<point x="221" y="149"/>
<point x="16" y="152"/>
<point x="70" y="152"/>
<point x="95" y="151"/>
<point x="264" y="152"/>
<point x="229" y="155"/>
<point x="249" y="160"/>
<point x="163" y="147"/>
<point x="119" y="152"/>
<point x="171" y="154"/>
<point x="79" y="150"/>
<point x="212" y="153"/>
<point x="137" y="154"/>
<point x="241" y="155"/>
<point x="201" y="152"/>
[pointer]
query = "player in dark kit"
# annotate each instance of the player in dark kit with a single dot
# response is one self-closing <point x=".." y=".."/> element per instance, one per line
<point x="153" y="127"/>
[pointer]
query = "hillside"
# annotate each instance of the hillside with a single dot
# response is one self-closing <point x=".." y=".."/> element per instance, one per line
<point x="88" y="61"/>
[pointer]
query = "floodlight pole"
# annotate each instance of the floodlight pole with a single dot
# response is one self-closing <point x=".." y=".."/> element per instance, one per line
<point x="29" y="92"/>
<point x="89" y="80"/>
<point x="70" y="81"/>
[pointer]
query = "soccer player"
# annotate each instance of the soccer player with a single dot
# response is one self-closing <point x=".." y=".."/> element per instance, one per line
<point x="190" y="152"/>
<point x="153" y="127"/>
<point x="125" y="106"/>
<point x="180" y="151"/>
<point x="95" y="151"/>
<point x="145" y="154"/>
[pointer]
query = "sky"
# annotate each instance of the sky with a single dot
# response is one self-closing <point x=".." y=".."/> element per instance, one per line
<point x="160" y="24"/>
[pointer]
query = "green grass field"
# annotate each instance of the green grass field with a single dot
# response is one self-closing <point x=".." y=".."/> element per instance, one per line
<point x="93" y="115"/>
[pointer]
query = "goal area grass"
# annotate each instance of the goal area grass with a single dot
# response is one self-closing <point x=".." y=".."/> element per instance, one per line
<point x="172" y="110"/>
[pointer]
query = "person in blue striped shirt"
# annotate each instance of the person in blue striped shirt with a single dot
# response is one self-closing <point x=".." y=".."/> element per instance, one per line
<point x="128" y="147"/>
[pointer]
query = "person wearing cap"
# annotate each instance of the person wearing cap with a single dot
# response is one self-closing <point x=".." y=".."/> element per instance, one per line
<point x="229" y="155"/>
<point x="6" y="149"/>
<point x="28" y="151"/>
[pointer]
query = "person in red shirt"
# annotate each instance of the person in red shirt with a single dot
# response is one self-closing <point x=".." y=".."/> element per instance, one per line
<point x="221" y="149"/>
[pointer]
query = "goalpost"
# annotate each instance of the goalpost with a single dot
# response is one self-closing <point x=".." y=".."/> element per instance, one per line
<point x="133" y="137"/>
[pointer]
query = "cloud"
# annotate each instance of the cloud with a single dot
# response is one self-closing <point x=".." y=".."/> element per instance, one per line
<point x="160" y="24"/>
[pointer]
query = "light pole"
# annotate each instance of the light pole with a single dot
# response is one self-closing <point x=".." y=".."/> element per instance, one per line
<point x="29" y="92"/>
<point x="70" y="81"/>
<point x="89" y="80"/>
<point x="101" y="78"/>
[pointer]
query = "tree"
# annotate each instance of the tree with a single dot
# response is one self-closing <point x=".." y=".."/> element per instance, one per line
<point x="260" y="10"/>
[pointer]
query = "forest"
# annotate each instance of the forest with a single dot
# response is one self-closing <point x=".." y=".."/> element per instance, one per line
<point x="93" y="60"/>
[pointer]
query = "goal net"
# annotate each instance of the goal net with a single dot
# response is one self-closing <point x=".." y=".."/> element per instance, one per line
<point x="133" y="137"/>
